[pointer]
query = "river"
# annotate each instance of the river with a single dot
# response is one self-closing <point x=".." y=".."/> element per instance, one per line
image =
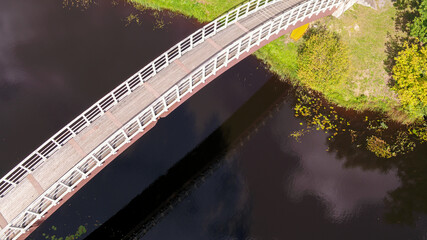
<point x="221" y="166"/>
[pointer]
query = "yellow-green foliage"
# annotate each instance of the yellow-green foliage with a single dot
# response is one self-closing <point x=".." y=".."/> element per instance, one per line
<point x="419" y="131"/>
<point x="410" y="74"/>
<point x="322" y="61"/>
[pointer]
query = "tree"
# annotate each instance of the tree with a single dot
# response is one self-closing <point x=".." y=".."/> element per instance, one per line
<point x="406" y="12"/>
<point x="322" y="60"/>
<point x="419" y="26"/>
<point x="410" y="75"/>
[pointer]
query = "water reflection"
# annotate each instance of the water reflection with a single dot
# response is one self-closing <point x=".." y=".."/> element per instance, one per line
<point x="343" y="190"/>
<point x="136" y="217"/>
<point x="298" y="191"/>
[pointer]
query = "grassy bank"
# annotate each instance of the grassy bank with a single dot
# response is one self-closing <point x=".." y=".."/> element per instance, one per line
<point x="203" y="10"/>
<point x="364" y="31"/>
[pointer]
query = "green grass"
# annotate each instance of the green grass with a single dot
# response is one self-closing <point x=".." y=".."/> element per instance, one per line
<point x="202" y="10"/>
<point x="364" y="30"/>
<point x="280" y="57"/>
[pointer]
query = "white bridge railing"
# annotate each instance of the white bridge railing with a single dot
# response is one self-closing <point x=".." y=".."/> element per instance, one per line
<point x="110" y="146"/>
<point x="36" y="158"/>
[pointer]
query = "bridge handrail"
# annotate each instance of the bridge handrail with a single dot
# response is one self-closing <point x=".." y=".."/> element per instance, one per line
<point x="37" y="157"/>
<point x="150" y="114"/>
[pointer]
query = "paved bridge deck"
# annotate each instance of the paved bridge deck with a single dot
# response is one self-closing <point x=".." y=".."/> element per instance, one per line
<point x="72" y="152"/>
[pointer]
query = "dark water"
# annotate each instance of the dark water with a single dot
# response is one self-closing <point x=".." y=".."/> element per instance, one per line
<point x="221" y="166"/>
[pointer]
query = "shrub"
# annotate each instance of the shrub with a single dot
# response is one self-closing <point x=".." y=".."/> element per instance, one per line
<point x="322" y="60"/>
<point x="410" y="75"/>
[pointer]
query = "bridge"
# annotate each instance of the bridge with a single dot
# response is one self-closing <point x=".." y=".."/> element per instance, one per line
<point x="44" y="180"/>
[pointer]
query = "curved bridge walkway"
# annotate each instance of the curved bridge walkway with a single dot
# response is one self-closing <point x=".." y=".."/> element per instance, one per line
<point x="45" y="179"/>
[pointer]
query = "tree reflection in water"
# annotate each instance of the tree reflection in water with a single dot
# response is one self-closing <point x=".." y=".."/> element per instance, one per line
<point x="349" y="142"/>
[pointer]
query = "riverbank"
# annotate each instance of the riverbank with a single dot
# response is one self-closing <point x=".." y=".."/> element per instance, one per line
<point x="364" y="30"/>
<point x="202" y="10"/>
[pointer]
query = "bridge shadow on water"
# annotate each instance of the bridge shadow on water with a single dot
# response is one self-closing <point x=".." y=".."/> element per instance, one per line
<point x="146" y="209"/>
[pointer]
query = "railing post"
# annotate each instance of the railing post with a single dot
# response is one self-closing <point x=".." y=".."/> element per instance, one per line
<point x="327" y="6"/>
<point x="249" y="42"/>
<point x="72" y="132"/>
<point x="259" y="37"/>
<point x="247" y="9"/>
<point x="280" y="24"/>
<point x="139" y="124"/>
<point x="203" y="74"/>
<point x="49" y="199"/>
<point x="269" y="30"/>
<point x="153" y="112"/>
<point x="98" y="162"/>
<point x="164" y="102"/>
<point x="87" y="120"/>
<point x="177" y="93"/>
<point x="190" y="84"/>
<point x="290" y="17"/>
<point x="128" y="87"/>
<point x="100" y="108"/>
<point x="226" y="56"/>
<point x="40" y="155"/>
<point x="239" y="46"/>
<point x="34" y="213"/>
<point x="10" y="182"/>
<point x="167" y="58"/>
<point x="297" y="17"/>
<point x="214" y="66"/>
<point x="114" y="98"/>
<point x="306" y="9"/>
<point x="226" y="20"/>
<point x="179" y="50"/>
<point x="314" y="8"/>
<point x="154" y="69"/>
<point x="26" y="169"/>
<point x="65" y="185"/>
<point x="126" y="136"/>
<point x="83" y="173"/>
<point x="56" y="143"/>
<point x="203" y="34"/>
<point x="112" y="148"/>
<point x="140" y="76"/>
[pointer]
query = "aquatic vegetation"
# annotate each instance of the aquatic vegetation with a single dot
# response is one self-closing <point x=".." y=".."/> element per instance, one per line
<point x="379" y="147"/>
<point x="318" y="115"/>
<point x="419" y="130"/>
<point x="132" y="18"/>
<point x="81" y="230"/>
<point x="377" y="134"/>
<point x="83" y="4"/>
